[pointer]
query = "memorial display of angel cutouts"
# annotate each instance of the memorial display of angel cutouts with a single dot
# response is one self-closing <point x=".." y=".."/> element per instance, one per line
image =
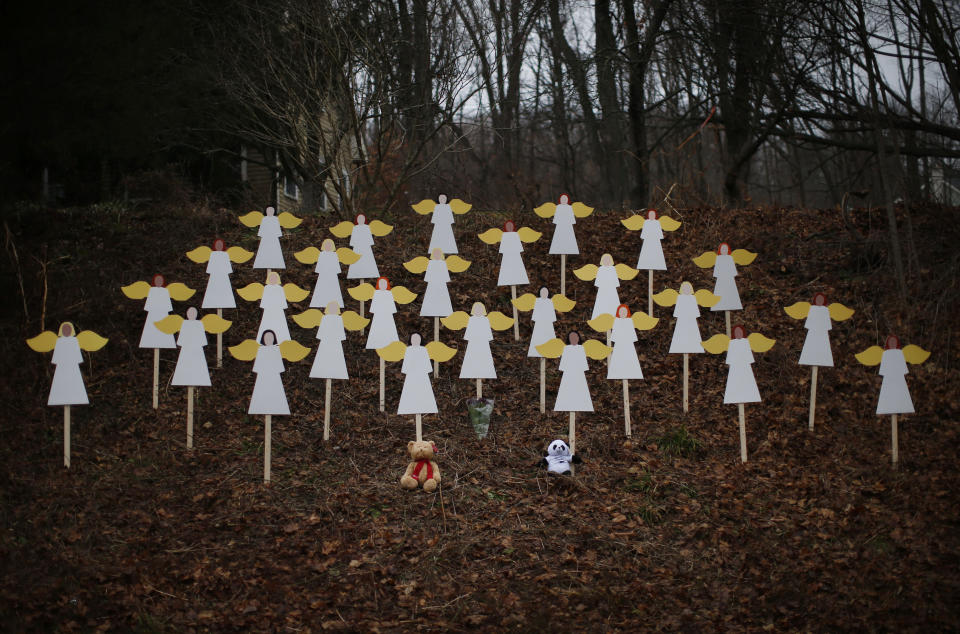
<point x="416" y="396"/>
<point x="269" y="253"/>
<point x="724" y="263"/>
<point x="478" y="359"/>
<point x="894" y="396"/>
<point x="158" y="305"/>
<point x="741" y="384"/>
<point x="441" y="215"/>
<point x="606" y="278"/>
<point x="361" y="241"/>
<point x="329" y="362"/>
<point x="512" y="270"/>
<point x="191" y="370"/>
<point x="67" y="388"/>
<point x="623" y="362"/>
<point x="269" y="398"/>
<point x="545" y="309"/>
<point x="816" y="350"/>
<point x="273" y="301"/>
<point x="436" y="273"/>
<point x="327" y="260"/>
<point x="651" y="228"/>
<point x="686" y="331"/>
<point x="564" y="240"/>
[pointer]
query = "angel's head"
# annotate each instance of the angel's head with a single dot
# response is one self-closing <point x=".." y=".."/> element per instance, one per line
<point x="383" y="284"/>
<point x="360" y="219"/>
<point x="892" y="343"/>
<point x="573" y="338"/>
<point x="623" y="311"/>
<point x="820" y="299"/>
<point x="723" y="249"/>
<point x="738" y="332"/>
<point x="509" y="226"/>
<point x="651" y="214"/>
<point x="271" y="211"/>
<point x="442" y="199"/>
<point x="66" y="329"/>
<point x="436" y="254"/>
<point x="191" y="313"/>
<point x="415" y="339"/>
<point x="273" y="277"/>
<point x="333" y="308"/>
<point x="159" y="281"/>
<point x="606" y="260"/>
<point x="327" y="245"/>
<point x="686" y="288"/>
<point x="564" y="199"/>
<point x="268" y="338"/>
<point x="544" y="292"/>
<point x="219" y="244"/>
<point x="478" y="309"/>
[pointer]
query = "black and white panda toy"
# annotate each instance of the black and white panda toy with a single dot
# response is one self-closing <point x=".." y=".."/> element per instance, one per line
<point x="558" y="458"/>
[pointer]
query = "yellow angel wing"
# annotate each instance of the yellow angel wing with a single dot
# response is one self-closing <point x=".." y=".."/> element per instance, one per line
<point x="215" y="324"/>
<point x="417" y="265"/>
<point x="308" y="255"/>
<point x="169" y="324"/>
<point x="403" y="295"/>
<point x="456" y="264"/>
<point x="342" y="229"/>
<point x="424" y="207"/>
<point x="347" y="256"/>
<point x="180" y="291"/>
<point x="362" y="292"/>
<point x="251" y="292"/>
<point x="706" y="259"/>
<point x="528" y="235"/>
<point x="551" y="349"/>
<point x="581" y="211"/>
<point x="440" y="351"/>
<point x="525" y="302"/>
<point x="743" y="257"/>
<point x="246" y="351"/>
<point x="643" y="321"/>
<point x="913" y="354"/>
<point x="706" y="299"/>
<point x="634" y="222"/>
<point x="669" y="224"/>
<point x="800" y="310"/>
<point x="309" y="318"/>
<point x="293" y="351"/>
<point x="288" y="221"/>
<point x="839" y="312"/>
<point x="499" y="321"/>
<point x="294" y="293"/>
<point x="602" y="322"/>
<point x="587" y="272"/>
<point x="625" y="271"/>
<point x="44" y="342"/>
<point x="379" y="228"/>
<point x="491" y="236"/>
<point x="239" y="255"/>
<point x="666" y="297"/>
<point x="596" y="350"/>
<point x="200" y="255"/>
<point x="759" y="343"/>
<point x="137" y="290"/>
<point x="455" y="321"/>
<point x="459" y="207"/>
<point x="871" y="356"/>
<point x="716" y="344"/>
<point x="91" y="341"/>
<point x="393" y="352"/>
<point x="562" y="304"/>
<point x="353" y="321"/>
<point x="546" y="210"/>
<point x="252" y="219"/>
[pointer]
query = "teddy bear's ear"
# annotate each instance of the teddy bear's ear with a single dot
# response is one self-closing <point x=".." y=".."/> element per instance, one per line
<point x="435" y="450"/>
<point x="410" y="445"/>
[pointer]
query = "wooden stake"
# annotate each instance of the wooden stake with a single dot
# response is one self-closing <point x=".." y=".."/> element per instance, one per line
<point x="813" y="395"/>
<point x="419" y="427"/>
<point x="573" y="438"/>
<point x="650" y="292"/>
<point x="743" y="433"/>
<point x="894" y="439"/>
<point x="189" y="417"/>
<point x="266" y="448"/>
<point x="626" y="407"/>
<point x="361" y="312"/>
<point x="219" y="342"/>
<point x="436" y="337"/>
<point x="726" y="314"/>
<point x="382" y="373"/>
<point x="516" y="322"/>
<point x="686" y="382"/>
<point x="156" y="377"/>
<point x="543" y="385"/>
<point x="326" y="411"/>
<point x="66" y="436"/>
<point x="479" y="389"/>
<point x="608" y="345"/>
<point x="563" y="274"/>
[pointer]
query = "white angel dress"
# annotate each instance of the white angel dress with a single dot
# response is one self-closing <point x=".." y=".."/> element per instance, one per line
<point x="158" y="306"/>
<point x="741" y="385"/>
<point x="894" y="393"/>
<point x="442" y="236"/>
<point x="478" y="360"/>
<point x="269" y="254"/>
<point x="416" y="397"/>
<point x="564" y="240"/>
<point x="269" y="396"/>
<point x="219" y="293"/>
<point x="327" y="288"/>
<point x="573" y="395"/>
<point x="725" y="270"/>
<point x="543" y="317"/>
<point x="67" y="387"/>
<point x="274" y="303"/>
<point x="436" y="299"/>
<point x="192" y="363"/>
<point x="624" y="363"/>
<point x="816" y="347"/>
<point x="329" y="362"/>
<point x="651" y="253"/>
<point x="607" y="283"/>
<point x="383" y="330"/>
<point x="686" y="332"/>
<point x="512" y="270"/>
<point x="361" y="241"/>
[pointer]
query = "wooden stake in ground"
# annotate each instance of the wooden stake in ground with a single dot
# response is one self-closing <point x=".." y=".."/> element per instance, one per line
<point x="326" y="410"/>
<point x="516" y="322"/>
<point x="650" y="292"/>
<point x="543" y="385"/>
<point x="382" y="381"/>
<point x="66" y="436"/>
<point x="156" y="378"/>
<point x="726" y="318"/>
<point x="189" y="417"/>
<point x="743" y="433"/>
<point x="894" y="440"/>
<point x="572" y="433"/>
<point x="220" y="342"/>
<point x="419" y="423"/>
<point x="626" y="407"/>
<point x="436" y="337"/>
<point x="686" y="382"/>
<point x="813" y="395"/>
<point x="563" y="274"/>
<point x="267" y="433"/>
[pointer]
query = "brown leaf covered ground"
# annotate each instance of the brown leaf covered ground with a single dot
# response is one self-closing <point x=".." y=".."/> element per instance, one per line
<point x="667" y="531"/>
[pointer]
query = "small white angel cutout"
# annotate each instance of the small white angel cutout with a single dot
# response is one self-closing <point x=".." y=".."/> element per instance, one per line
<point x="273" y="301"/>
<point x="606" y="278"/>
<point x="436" y="273"/>
<point x="724" y="263"/>
<point x="511" y="239"/>
<point x="269" y="253"/>
<point x="441" y="213"/>
<point x="651" y="228"/>
<point x="67" y="387"/>
<point x="219" y="291"/>
<point x="544" y="315"/>
<point x="573" y="395"/>
<point x="361" y="241"/>
<point x="478" y="359"/>
<point x="383" y="305"/>
<point x="416" y="397"/>
<point x="564" y="216"/>
<point x="327" y="260"/>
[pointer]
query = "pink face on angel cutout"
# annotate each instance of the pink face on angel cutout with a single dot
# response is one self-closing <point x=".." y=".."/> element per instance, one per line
<point x="191" y="313"/>
<point x="327" y="245"/>
<point x="564" y="199"/>
<point x="158" y="280"/>
<point x="66" y="329"/>
<point x="623" y="311"/>
<point x="738" y="332"/>
<point x="415" y="339"/>
<point x="478" y="309"/>
<point x="271" y="211"/>
<point x="819" y="299"/>
<point x="651" y="214"/>
<point x="361" y="219"/>
<point x="723" y="249"/>
<point x="273" y="278"/>
<point x="686" y="288"/>
<point x="606" y="260"/>
<point x="219" y="244"/>
<point x="574" y="338"/>
<point x="892" y="343"/>
<point x="436" y="254"/>
<point x="509" y="226"/>
<point x="383" y="284"/>
<point x="268" y="338"/>
<point x="544" y="292"/>
<point x="442" y="198"/>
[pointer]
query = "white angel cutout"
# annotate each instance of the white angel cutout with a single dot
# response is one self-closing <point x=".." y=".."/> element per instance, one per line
<point x="441" y="215"/>
<point x="191" y="370"/>
<point x="686" y="332"/>
<point x="724" y="263"/>
<point x="436" y="299"/>
<point x="512" y="270"/>
<point x="544" y="315"/>
<point x="273" y="301"/>
<point x="67" y="387"/>
<point x="269" y="253"/>
<point x="158" y="306"/>
<point x="361" y="241"/>
<point x="327" y="260"/>
<point x="651" y="227"/>
<point x="894" y="396"/>
<point x="564" y="240"/>
<point x="269" y="398"/>
<point x="623" y="362"/>
<point x="816" y="347"/>
<point x="741" y="384"/>
<point x="606" y="278"/>
<point x="478" y="359"/>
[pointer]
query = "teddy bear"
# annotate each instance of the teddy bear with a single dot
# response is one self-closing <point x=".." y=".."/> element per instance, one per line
<point x="558" y="459"/>
<point x="423" y="470"/>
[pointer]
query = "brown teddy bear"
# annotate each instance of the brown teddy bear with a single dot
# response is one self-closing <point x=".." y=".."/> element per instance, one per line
<point x="423" y="470"/>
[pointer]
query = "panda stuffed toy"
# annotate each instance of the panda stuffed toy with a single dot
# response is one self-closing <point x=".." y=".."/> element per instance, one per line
<point x="558" y="458"/>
